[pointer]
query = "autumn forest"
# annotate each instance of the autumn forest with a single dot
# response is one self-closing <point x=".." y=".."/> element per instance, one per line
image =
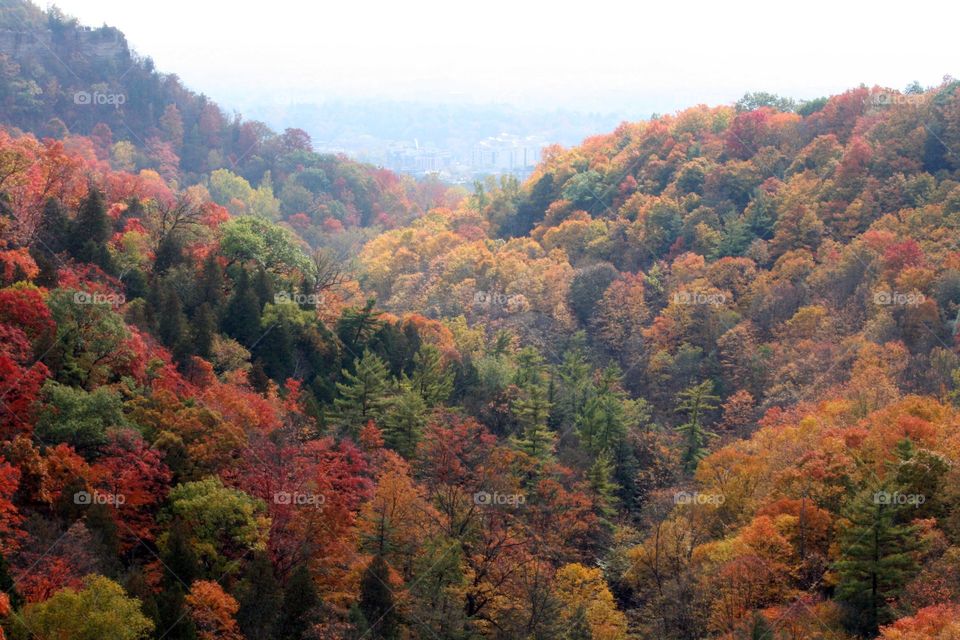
<point x="697" y="377"/>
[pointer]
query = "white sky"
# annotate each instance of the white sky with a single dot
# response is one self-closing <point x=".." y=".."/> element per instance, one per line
<point x="602" y="55"/>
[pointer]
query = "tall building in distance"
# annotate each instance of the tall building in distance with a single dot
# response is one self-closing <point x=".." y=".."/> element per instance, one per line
<point x="495" y="155"/>
<point x="507" y="153"/>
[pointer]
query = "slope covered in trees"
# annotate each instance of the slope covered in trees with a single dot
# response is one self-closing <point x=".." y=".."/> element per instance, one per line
<point x="84" y="86"/>
<point x="697" y="378"/>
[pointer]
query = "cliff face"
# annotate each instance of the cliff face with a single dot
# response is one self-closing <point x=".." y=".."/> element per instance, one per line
<point x="102" y="44"/>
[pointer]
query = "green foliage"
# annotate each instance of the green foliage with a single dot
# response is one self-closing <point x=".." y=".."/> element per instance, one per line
<point x="431" y="379"/>
<point x="602" y="423"/>
<point x="377" y="601"/>
<point x="260" y="598"/>
<point x="404" y="422"/>
<point x="89" y="335"/>
<point x="695" y="402"/>
<point x="758" y="99"/>
<point x="257" y="240"/>
<point x="90" y="231"/>
<point x="299" y="605"/>
<point x="241" y="318"/>
<point x="224" y="523"/>
<point x="600" y="477"/>
<point x="99" y="611"/>
<point x="77" y="417"/>
<point x="363" y="396"/>
<point x="876" y="559"/>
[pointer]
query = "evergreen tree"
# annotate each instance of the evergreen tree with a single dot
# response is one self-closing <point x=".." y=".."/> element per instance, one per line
<point x="173" y="323"/>
<point x="363" y="396"/>
<point x="263" y="285"/>
<point x="54" y="231"/>
<point x="357" y="326"/>
<point x="169" y="254"/>
<point x="181" y="568"/>
<point x="173" y="326"/>
<point x="437" y="581"/>
<point x="210" y="288"/>
<point x="575" y="384"/>
<point x="600" y="477"/>
<point x="531" y="412"/>
<point x="260" y="598"/>
<point x="876" y="560"/>
<point x="695" y="401"/>
<point x="529" y="368"/>
<point x="300" y="602"/>
<point x="91" y="222"/>
<point x="90" y="231"/>
<point x="137" y="586"/>
<point x="376" y="601"/>
<point x="204" y="328"/>
<point x="431" y="379"/>
<point x="404" y="423"/>
<point x="602" y="422"/>
<point x="276" y="349"/>
<point x="241" y="319"/>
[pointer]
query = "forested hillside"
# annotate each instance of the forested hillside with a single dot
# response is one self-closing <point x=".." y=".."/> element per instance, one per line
<point x="696" y="378"/>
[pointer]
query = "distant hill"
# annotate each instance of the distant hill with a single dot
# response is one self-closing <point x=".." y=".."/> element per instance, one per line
<point x="59" y="79"/>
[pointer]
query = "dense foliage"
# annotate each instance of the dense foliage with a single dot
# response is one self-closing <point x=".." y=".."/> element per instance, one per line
<point x="695" y="378"/>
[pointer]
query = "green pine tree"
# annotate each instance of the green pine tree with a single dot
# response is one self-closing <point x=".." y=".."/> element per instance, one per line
<point x="363" y="396"/>
<point x="404" y="422"/>
<point x="210" y="289"/>
<point x="431" y="379"/>
<point x="602" y="422"/>
<point x="575" y="383"/>
<point x="695" y="401"/>
<point x="531" y="412"/>
<point x="241" y="318"/>
<point x="377" y="601"/>
<point x="276" y="349"/>
<point x="204" y="328"/>
<point x="876" y="559"/>
<point x="263" y="285"/>
<point x="53" y="234"/>
<point x="181" y="568"/>
<point x="600" y="477"/>
<point x="357" y="326"/>
<point x="260" y="598"/>
<point x="300" y="602"/>
<point x="91" y="227"/>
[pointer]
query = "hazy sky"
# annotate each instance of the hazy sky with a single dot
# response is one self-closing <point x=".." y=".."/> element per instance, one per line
<point x="592" y="54"/>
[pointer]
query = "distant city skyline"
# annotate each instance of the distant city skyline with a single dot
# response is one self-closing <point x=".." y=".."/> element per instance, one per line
<point x="603" y="57"/>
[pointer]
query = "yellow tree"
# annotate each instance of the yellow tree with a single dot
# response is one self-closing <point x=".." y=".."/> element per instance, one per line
<point x="582" y="591"/>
